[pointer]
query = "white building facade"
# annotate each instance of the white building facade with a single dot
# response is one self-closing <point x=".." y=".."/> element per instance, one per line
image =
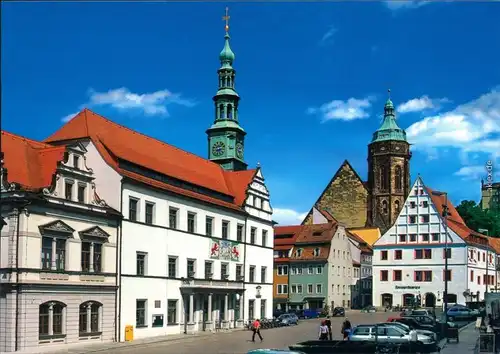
<point x="409" y="259"/>
<point x="58" y="250"/>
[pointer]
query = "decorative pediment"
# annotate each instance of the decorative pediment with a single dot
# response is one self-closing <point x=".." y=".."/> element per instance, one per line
<point x="78" y="147"/>
<point x="57" y="226"/>
<point x="94" y="233"/>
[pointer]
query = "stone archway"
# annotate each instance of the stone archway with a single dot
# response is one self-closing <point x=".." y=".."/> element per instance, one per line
<point x="408" y="299"/>
<point x="430" y="300"/>
<point x="386" y="300"/>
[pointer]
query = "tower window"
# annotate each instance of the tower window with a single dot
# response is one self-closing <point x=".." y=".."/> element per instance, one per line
<point x="230" y="112"/>
<point x="384" y="178"/>
<point x="398" y="178"/>
<point x="221" y="111"/>
<point x="384" y="207"/>
<point x="397" y="204"/>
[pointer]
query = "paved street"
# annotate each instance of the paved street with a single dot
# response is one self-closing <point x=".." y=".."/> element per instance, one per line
<point x="239" y="342"/>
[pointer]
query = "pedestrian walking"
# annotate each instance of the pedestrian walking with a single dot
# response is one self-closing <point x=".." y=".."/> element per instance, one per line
<point x="328" y="323"/>
<point x="346" y="329"/>
<point x="323" y="331"/>
<point x="256" y="330"/>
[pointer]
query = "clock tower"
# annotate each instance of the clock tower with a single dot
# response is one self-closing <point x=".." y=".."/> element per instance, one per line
<point x="388" y="171"/>
<point x="226" y="138"/>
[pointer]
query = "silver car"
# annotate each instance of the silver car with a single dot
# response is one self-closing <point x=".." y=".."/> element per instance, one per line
<point x="385" y="334"/>
<point x="288" y="319"/>
<point x="407" y="329"/>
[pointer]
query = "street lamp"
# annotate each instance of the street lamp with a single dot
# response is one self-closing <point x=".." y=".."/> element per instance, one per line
<point x="444" y="215"/>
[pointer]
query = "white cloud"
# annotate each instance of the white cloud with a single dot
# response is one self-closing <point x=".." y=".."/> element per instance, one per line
<point x="351" y="109"/>
<point x="476" y="172"/>
<point x="288" y="216"/>
<point x="409" y="4"/>
<point x="423" y="103"/>
<point x="470" y="127"/>
<point x="152" y="104"/>
<point x="68" y="117"/>
<point x="328" y="36"/>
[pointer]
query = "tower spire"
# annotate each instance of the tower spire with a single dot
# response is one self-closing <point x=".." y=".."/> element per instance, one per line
<point x="226" y="137"/>
<point x="389" y="130"/>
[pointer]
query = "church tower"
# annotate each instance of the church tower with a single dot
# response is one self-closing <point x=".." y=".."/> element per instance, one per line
<point x="226" y="138"/>
<point x="388" y="171"/>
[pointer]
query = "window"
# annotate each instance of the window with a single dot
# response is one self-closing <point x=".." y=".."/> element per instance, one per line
<point x="81" y="193"/>
<point x="223" y="270"/>
<point x="398" y="178"/>
<point x="299" y="288"/>
<point x="310" y="288"/>
<point x="412" y="205"/>
<point x="263" y="311"/>
<point x="316" y="252"/>
<point x="208" y="270"/>
<point x="60" y="253"/>
<point x="385" y="209"/>
<point x="310" y="270"/>
<point x="398" y="254"/>
<point x="435" y="237"/>
<point x="447" y="275"/>
<point x="191" y="222"/>
<point x="263" y="271"/>
<point x="319" y="288"/>
<point x="89" y="318"/>
<point x="471" y="275"/>
<point x="425" y="237"/>
<point x="251" y="309"/>
<point x="412" y="219"/>
<point x="402" y="238"/>
<point x="319" y="269"/>
<point x="132" y="209"/>
<point x="225" y="230"/>
<point x="383" y="178"/>
<point x="264" y="240"/>
<point x="282" y="270"/>
<point x="190" y="270"/>
<point x="172" y="267"/>
<point x="253" y="231"/>
<point x="140" y="313"/>
<point x="172" y="217"/>
<point x="397" y="275"/>
<point x="298" y="253"/>
<point x="46" y="252"/>
<point x="141" y="263"/>
<point x="384" y="275"/>
<point x="85" y="262"/>
<point x="209" y="226"/>
<point x="425" y="218"/>
<point x="383" y="255"/>
<point x="298" y="271"/>
<point x="425" y="203"/>
<point x="76" y="161"/>
<point x="68" y="190"/>
<point x="252" y="274"/>
<point x="413" y="238"/>
<point x="97" y="257"/>
<point x="423" y="253"/>
<point x="447" y="253"/>
<point x="46" y="310"/>
<point x="149" y="212"/>
<point x="157" y="304"/>
<point x="423" y="275"/>
<point x="282" y="289"/>
<point x="239" y="233"/>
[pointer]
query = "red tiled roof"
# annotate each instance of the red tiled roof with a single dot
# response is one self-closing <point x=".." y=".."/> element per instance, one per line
<point x="317" y="233"/>
<point x="494" y="243"/>
<point x="282" y="247"/>
<point x="30" y="163"/>
<point x="116" y="142"/>
<point x="308" y="253"/>
<point x="290" y="231"/>
<point x="455" y="221"/>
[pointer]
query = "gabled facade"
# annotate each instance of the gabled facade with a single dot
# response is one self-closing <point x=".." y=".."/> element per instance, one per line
<point x="284" y="241"/>
<point x="58" y="249"/>
<point x="361" y="286"/>
<point x="409" y="259"/>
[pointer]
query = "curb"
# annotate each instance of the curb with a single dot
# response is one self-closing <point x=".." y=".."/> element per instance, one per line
<point x="459" y="331"/>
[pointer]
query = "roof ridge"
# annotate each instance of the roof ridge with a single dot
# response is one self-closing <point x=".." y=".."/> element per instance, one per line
<point x="28" y="140"/>
<point x="85" y="110"/>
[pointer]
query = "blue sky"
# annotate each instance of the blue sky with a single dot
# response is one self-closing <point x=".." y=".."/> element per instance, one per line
<point x="312" y="77"/>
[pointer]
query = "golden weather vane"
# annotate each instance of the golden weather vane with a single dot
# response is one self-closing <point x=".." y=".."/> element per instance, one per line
<point x="226" y="18"/>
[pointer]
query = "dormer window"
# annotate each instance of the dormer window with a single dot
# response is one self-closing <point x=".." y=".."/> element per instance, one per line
<point x="81" y="193"/>
<point x="298" y="253"/>
<point x="68" y="190"/>
<point x="76" y="161"/>
<point x="317" y="233"/>
<point x="316" y="252"/>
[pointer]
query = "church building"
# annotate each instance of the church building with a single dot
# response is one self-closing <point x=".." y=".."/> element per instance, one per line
<point x="378" y="200"/>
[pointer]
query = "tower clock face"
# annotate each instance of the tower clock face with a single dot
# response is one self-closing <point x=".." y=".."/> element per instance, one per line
<point x="239" y="150"/>
<point x="218" y="148"/>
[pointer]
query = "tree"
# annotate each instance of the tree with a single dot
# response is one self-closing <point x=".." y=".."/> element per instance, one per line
<point x="476" y="218"/>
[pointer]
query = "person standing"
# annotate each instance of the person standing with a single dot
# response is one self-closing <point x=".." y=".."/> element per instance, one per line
<point x="346" y="328"/>
<point x="328" y="323"/>
<point x="256" y="330"/>
<point x="323" y="331"/>
<point x="413" y="340"/>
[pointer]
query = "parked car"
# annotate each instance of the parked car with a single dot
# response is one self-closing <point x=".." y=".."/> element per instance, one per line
<point x="413" y="323"/>
<point x="288" y="319"/>
<point x="294" y="315"/>
<point x="459" y="313"/>
<point x="386" y="334"/>
<point x="369" y="309"/>
<point x="308" y="313"/>
<point x="407" y="329"/>
<point x="338" y="311"/>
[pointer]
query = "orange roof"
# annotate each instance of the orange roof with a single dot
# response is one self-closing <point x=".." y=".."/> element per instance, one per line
<point x="494" y="243"/>
<point x="307" y="253"/>
<point x="368" y="234"/>
<point x="282" y="247"/>
<point x="316" y="233"/>
<point x="286" y="235"/>
<point x="116" y="142"/>
<point x="30" y="163"/>
<point x="455" y="221"/>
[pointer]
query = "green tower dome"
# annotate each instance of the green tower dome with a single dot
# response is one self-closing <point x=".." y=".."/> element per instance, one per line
<point x="226" y="56"/>
<point x="389" y="130"/>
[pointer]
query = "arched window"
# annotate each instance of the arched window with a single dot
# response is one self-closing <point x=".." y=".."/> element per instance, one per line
<point x="397" y="205"/>
<point x="89" y="318"/>
<point x="222" y="114"/>
<point x="51" y="312"/>
<point x="398" y="178"/>
<point x="229" y="111"/>
<point x="384" y="207"/>
<point x="383" y="178"/>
